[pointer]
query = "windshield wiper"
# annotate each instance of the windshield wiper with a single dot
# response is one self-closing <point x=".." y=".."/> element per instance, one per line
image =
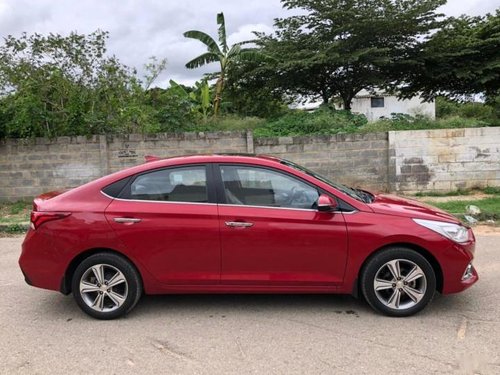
<point x="363" y="195"/>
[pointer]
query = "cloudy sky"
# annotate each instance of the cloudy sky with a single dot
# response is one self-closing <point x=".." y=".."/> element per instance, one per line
<point x="142" y="28"/>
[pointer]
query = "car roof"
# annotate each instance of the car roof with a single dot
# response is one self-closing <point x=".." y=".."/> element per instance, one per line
<point x="226" y="156"/>
<point x="153" y="162"/>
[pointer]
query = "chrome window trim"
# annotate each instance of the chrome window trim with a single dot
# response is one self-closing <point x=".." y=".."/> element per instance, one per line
<point x="153" y="201"/>
<point x="285" y="208"/>
<point x="270" y="207"/>
<point x="227" y="205"/>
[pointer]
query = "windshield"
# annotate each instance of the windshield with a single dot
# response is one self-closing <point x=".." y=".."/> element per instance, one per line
<point x="357" y="194"/>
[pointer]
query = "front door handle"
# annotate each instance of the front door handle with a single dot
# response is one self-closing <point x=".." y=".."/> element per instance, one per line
<point x="126" y="220"/>
<point x="238" y="224"/>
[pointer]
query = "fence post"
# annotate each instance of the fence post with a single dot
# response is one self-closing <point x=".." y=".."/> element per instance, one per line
<point x="250" y="147"/>
<point x="391" y="162"/>
<point x="103" y="155"/>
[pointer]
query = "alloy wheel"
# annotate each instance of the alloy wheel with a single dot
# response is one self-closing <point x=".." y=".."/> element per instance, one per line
<point x="103" y="288"/>
<point x="400" y="284"/>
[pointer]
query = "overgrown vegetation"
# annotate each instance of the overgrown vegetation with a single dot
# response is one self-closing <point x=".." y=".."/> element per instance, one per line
<point x="399" y="121"/>
<point x="322" y="121"/>
<point x="329" y="121"/>
<point x="58" y="85"/>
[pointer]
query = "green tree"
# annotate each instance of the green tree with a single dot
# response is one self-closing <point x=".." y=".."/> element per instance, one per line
<point x="219" y="52"/>
<point x="250" y="91"/>
<point x="339" y="47"/>
<point x="67" y="85"/>
<point x="461" y="59"/>
<point x="62" y="85"/>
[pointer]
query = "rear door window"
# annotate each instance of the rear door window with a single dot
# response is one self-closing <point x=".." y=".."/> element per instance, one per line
<point x="184" y="184"/>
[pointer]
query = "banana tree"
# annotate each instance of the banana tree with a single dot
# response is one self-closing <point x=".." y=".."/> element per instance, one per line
<point x="221" y="53"/>
<point x="200" y="96"/>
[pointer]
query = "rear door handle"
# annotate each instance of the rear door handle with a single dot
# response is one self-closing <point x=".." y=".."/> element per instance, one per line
<point x="238" y="224"/>
<point x="127" y="220"/>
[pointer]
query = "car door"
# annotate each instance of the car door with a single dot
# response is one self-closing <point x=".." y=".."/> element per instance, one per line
<point x="271" y="233"/>
<point x="167" y="218"/>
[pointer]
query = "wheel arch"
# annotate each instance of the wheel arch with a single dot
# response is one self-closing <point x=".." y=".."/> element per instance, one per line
<point x="70" y="269"/>
<point x="422" y="251"/>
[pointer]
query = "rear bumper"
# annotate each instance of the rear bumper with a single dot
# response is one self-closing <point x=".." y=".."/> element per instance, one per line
<point x="26" y="278"/>
<point x="40" y="266"/>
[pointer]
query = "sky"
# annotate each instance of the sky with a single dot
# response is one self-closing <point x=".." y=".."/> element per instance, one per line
<point x="143" y="28"/>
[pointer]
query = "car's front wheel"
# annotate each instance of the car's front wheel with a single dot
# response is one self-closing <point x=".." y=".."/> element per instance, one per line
<point x="106" y="286"/>
<point x="398" y="282"/>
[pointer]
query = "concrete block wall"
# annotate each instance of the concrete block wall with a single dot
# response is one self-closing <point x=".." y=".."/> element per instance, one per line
<point x="127" y="151"/>
<point x="30" y="167"/>
<point x="353" y="159"/>
<point x="406" y="161"/>
<point x="444" y="159"/>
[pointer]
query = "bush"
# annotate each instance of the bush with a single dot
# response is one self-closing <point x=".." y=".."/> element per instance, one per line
<point x="321" y="121"/>
<point x="471" y="110"/>
<point x="400" y="121"/>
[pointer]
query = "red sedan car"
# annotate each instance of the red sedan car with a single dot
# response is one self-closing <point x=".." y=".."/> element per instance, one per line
<point x="240" y="224"/>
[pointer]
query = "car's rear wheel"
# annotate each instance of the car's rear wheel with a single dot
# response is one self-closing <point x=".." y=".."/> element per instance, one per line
<point x="398" y="282"/>
<point x="106" y="286"/>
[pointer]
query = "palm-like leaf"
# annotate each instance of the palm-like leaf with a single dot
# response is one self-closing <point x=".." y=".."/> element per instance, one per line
<point x="224" y="55"/>
<point x="205" y="39"/>
<point x="234" y="51"/>
<point x="222" y="31"/>
<point x="203" y="59"/>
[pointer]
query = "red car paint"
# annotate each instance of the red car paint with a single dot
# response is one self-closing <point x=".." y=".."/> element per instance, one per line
<point x="187" y="248"/>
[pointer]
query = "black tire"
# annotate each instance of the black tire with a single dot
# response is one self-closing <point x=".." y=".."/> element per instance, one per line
<point x="406" y="259"/>
<point x="131" y="290"/>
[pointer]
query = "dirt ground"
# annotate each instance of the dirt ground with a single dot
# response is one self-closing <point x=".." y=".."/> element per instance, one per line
<point x="486" y="230"/>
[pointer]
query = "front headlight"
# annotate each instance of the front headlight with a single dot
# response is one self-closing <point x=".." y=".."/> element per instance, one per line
<point x="455" y="232"/>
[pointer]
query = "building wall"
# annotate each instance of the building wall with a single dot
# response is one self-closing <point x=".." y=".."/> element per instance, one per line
<point x="392" y="104"/>
<point x="405" y="161"/>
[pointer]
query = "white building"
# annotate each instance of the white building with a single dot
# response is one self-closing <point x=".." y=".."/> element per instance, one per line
<point x="377" y="105"/>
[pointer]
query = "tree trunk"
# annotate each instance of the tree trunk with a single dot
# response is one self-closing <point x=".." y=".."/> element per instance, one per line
<point x="219" y="86"/>
<point x="347" y="100"/>
<point x="325" y="97"/>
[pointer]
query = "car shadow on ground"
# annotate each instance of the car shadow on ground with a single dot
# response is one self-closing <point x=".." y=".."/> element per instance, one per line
<point x="261" y="303"/>
<point x="56" y="305"/>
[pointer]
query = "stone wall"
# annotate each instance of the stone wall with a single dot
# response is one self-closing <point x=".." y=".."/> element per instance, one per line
<point x="405" y="161"/>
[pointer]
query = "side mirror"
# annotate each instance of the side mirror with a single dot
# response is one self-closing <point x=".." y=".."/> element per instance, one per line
<point x="326" y="203"/>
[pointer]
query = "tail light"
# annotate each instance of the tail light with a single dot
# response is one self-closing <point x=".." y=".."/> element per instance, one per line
<point x="40" y="217"/>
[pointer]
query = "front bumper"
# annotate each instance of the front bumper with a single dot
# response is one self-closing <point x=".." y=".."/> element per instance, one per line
<point x="458" y="270"/>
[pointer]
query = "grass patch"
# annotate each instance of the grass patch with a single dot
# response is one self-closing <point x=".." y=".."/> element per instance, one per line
<point x="460" y="192"/>
<point x="453" y="193"/>
<point x="13" y="213"/>
<point x="492" y="190"/>
<point x="15" y="229"/>
<point x="490" y="208"/>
